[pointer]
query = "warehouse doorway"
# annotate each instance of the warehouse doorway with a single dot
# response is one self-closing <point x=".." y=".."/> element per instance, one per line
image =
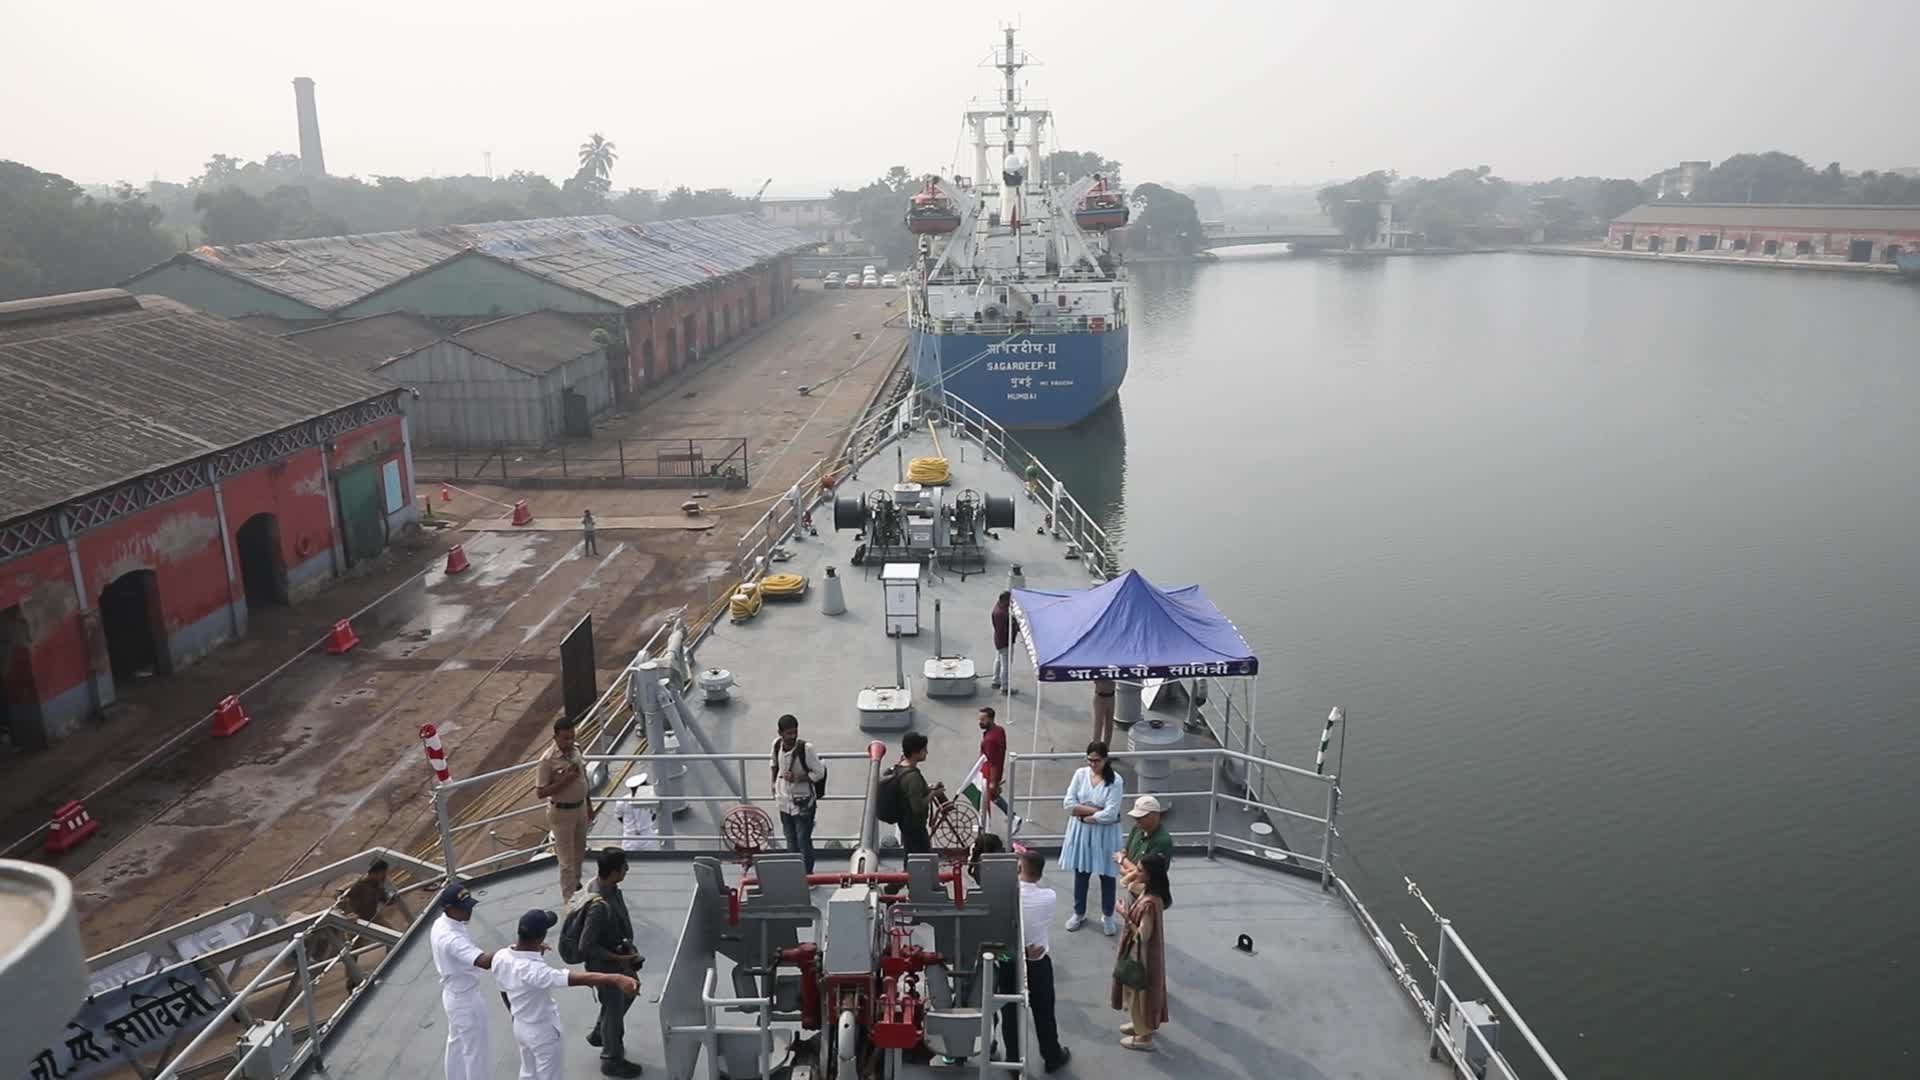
<point x="1679" y="243"/>
<point x="1860" y="251"/>
<point x="262" y="573"/>
<point x="1892" y="253"/>
<point x="362" y="520"/>
<point x="689" y="338"/>
<point x="131" y="621"/>
<point x="20" y="727"/>
<point x="646" y="360"/>
<point x="673" y="350"/>
<point x="753" y="305"/>
<point x="1772" y="247"/>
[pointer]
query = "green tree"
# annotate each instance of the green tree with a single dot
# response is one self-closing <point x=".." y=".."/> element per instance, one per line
<point x="1165" y="222"/>
<point x="683" y="202"/>
<point x="232" y="215"/>
<point x="1761" y="178"/>
<point x="1354" y="207"/>
<point x="55" y="238"/>
<point x="1074" y="164"/>
<point x="597" y="157"/>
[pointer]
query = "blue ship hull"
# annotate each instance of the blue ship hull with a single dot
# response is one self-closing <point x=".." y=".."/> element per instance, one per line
<point x="1033" y="381"/>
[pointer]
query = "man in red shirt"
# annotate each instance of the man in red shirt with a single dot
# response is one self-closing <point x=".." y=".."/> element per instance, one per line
<point x="993" y="747"/>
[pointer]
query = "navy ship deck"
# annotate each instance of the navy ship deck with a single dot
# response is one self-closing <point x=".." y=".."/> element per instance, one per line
<point x="1324" y="992"/>
<point x="1316" y="997"/>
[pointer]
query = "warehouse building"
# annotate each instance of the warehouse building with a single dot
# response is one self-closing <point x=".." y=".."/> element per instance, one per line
<point x="530" y="378"/>
<point x="169" y="472"/>
<point x="367" y="342"/>
<point x="666" y="292"/>
<point x="1861" y="234"/>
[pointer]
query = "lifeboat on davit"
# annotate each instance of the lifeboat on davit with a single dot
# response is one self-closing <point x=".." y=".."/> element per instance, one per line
<point x="1101" y="209"/>
<point x="931" y="212"/>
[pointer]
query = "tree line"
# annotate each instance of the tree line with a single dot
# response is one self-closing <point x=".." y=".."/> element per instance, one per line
<point x="56" y="236"/>
<point x="1441" y="210"/>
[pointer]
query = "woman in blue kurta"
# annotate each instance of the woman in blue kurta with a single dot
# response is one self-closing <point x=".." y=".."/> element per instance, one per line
<point x="1093" y="834"/>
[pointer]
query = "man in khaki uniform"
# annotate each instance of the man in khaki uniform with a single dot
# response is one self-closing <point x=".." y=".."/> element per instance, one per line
<point x="561" y="779"/>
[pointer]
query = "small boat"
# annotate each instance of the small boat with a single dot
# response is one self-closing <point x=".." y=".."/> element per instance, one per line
<point x="932" y="213"/>
<point x="1101" y="209"/>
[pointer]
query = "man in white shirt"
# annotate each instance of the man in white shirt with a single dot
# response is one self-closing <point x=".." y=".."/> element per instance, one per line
<point x="529" y="982"/>
<point x="459" y="962"/>
<point x="1037" y="904"/>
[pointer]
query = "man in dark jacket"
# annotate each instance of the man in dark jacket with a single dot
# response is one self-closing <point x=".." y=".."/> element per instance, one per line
<point x="606" y="944"/>
<point x="913" y="795"/>
<point x="1006" y="631"/>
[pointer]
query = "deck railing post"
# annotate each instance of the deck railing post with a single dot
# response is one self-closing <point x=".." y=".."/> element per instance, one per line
<point x="620" y="446"/>
<point x="1439" y="978"/>
<point x="1213" y="801"/>
<point x="1326" y="838"/>
<point x="306" y="996"/>
<point x="446" y="831"/>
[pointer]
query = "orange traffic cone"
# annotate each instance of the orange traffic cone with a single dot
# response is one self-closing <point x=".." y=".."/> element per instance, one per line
<point x="446" y="493"/>
<point x="229" y="717"/>
<point x="521" y="514"/>
<point x="457" y="559"/>
<point x="341" y="638"/>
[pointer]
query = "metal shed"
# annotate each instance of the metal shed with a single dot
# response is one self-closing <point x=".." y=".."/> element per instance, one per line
<point x="529" y="379"/>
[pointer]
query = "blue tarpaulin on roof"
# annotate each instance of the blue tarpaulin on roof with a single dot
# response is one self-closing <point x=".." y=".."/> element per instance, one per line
<point x="1129" y="628"/>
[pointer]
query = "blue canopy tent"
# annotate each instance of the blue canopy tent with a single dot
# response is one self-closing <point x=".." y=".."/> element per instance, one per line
<point x="1129" y="628"/>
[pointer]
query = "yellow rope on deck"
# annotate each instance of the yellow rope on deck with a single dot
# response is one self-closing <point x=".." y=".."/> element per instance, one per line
<point x="783" y="585"/>
<point x="928" y="470"/>
<point x="745" y="603"/>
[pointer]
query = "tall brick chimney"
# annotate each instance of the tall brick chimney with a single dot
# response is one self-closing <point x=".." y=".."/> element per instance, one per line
<point x="312" y="161"/>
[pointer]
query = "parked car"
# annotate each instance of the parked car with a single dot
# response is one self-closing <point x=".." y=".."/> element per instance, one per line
<point x="853" y="280"/>
<point x="867" y="271"/>
<point x="831" y="281"/>
<point x="888" y="281"/>
<point x="869" y="282"/>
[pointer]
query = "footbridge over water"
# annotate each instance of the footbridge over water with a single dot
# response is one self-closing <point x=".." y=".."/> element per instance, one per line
<point x="1302" y="237"/>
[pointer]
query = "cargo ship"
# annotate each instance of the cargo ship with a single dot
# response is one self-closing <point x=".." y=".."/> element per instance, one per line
<point x="1019" y="301"/>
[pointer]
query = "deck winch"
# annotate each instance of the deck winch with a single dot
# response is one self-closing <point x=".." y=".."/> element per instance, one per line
<point x="873" y="970"/>
<point x="916" y="523"/>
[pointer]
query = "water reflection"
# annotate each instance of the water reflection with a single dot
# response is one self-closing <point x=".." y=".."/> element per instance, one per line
<point x="1091" y="459"/>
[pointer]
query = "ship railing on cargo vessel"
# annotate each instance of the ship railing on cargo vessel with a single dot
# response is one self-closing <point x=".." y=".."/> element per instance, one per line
<point x="1078" y="324"/>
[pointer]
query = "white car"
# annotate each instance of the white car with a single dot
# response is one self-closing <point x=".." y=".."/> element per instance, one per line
<point x="888" y="281"/>
<point x="869" y="282"/>
<point x="867" y="271"/>
<point x="853" y="281"/>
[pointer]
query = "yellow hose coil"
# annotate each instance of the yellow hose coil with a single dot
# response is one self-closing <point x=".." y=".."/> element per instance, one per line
<point x="928" y="470"/>
<point x="783" y="585"/>
<point x="745" y="603"/>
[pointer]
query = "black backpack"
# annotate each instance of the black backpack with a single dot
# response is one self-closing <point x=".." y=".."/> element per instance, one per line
<point x="889" y="800"/>
<point x="572" y="928"/>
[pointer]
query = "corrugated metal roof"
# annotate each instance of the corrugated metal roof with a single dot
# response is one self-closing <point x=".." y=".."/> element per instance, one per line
<point x="90" y="401"/>
<point x="363" y="343"/>
<point x="606" y="256"/>
<point x="536" y="342"/>
<point x="1775" y="216"/>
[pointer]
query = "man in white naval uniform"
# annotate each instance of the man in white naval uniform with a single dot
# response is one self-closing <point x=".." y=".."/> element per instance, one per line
<point x="639" y="830"/>
<point x="460" y="962"/>
<point x="529" y="982"/>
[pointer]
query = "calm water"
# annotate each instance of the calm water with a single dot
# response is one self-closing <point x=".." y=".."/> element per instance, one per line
<point x="1616" y="569"/>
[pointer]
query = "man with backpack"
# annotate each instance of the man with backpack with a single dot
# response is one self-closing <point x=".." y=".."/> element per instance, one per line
<point x="527" y="981"/>
<point x="904" y="794"/>
<point x="799" y="780"/>
<point x="599" y="933"/>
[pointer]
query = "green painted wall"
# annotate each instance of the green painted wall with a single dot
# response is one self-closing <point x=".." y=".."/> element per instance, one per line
<point x="211" y="291"/>
<point x="469" y="287"/>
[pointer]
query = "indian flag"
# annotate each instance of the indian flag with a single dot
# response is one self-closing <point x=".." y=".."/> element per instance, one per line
<point x="975" y="789"/>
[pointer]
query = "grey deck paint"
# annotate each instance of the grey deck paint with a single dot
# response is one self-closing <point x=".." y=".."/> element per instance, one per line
<point x="1315" y="1001"/>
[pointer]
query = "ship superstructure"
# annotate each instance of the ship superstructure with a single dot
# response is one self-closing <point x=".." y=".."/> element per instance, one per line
<point x="1020" y="300"/>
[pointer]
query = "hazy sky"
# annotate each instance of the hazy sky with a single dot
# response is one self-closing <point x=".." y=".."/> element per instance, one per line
<point x="817" y="94"/>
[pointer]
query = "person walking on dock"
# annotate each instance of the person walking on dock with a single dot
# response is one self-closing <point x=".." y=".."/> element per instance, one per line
<point x="561" y="779"/>
<point x="586" y="532"/>
<point x="1006" y="630"/>
<point x="914" y="795"/>
<point x="1103" y="691"/>
<point x="528" y="982"/>
<point x="606" y="944"/>
<point x="797" y="774"/>
<point x="458" y="960"/>
<point x="1094" y="797"/>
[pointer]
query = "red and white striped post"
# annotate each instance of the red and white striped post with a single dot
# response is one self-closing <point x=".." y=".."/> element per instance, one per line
<point x="436" y="757"/>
